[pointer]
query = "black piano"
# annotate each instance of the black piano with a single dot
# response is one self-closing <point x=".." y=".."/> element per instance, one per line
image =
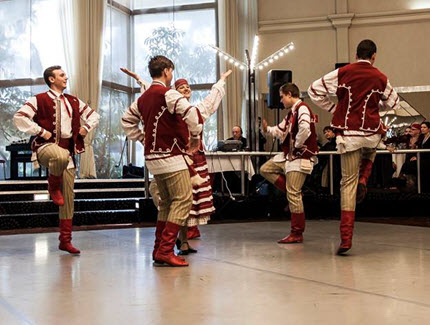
<point x="21" y="166"/>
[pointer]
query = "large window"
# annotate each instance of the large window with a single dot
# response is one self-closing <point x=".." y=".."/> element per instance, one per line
<point x="115" y="96"/>
<point x="135" y="31"/>
<point x="28" y="44"/>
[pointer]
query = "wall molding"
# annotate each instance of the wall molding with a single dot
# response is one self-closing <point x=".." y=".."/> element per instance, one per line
<point x="296" y="24"/>
<point x="342" y="20"/>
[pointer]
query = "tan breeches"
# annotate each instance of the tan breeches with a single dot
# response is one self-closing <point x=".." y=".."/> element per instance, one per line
<point x="295" y="181"/>
<point x="176" y="196"/>
<point x="350" y="165"/>
<point x="56" y="160"/>
<point x="271" y="170"/>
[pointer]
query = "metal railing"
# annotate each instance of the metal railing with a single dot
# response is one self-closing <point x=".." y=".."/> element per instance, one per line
<point x="243" y="154"/>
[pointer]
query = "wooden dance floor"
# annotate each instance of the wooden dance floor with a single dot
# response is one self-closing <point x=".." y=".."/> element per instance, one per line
<point x="239" y="276"/>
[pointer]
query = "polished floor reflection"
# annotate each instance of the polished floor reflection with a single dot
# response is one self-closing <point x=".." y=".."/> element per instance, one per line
<point x="239" y="276"/>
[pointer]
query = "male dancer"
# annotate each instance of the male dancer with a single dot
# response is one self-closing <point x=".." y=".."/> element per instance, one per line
<point x="288" y="170"/>
<point x="361" y="89"/>
<point x="168" y="120"/>
<point x="202" y="206"/>
<point x="56" y="118"/>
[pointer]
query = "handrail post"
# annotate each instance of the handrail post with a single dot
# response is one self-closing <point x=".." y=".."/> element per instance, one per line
<point x="419" y="172"/>
<point x="331" y="174"/>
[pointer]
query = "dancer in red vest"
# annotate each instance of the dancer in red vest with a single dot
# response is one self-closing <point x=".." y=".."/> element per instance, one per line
<point x="202" y="206"/>
<point x="60" y="123"/>
<point x="171" y="129"/>
<point x="361" y="90"/>
<point x="288" y="170"/>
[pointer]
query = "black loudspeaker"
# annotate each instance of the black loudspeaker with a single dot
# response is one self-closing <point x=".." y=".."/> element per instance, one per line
<point x="340" y="65"/>
<point x="276" y="79"/>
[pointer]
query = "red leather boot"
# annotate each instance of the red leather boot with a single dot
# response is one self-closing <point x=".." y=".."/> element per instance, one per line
<point x="297" y="229"/>
<point x="281" y="183"/>
<point x="66" y="237"/>
<point x="54" y="189"/>
<point x="346" y="228"/>
<point x="165" y="252"/>
<point x="158" y="231"/>
<point x="193" y="232"/>
<point x="365" y="171"/>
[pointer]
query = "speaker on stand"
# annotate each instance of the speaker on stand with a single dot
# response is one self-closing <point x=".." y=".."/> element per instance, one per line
<point x="276" y="79"/>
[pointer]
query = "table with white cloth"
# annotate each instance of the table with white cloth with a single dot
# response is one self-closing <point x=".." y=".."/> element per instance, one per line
<point x="231" y="161"/>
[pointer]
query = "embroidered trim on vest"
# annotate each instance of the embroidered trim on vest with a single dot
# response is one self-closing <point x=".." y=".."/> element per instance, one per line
<point x="154" y="130"/>
<point x="154" y="134"/>
<point x="363" y="118"/>
<point x="345" y="127"/>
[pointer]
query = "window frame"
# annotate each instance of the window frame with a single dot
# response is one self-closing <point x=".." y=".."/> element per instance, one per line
<point x="131" y="154"/>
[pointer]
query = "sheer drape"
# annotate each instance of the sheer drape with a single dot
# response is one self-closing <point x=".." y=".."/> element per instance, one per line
<point x="82" y="27"/>
<point x="238" y="26"/>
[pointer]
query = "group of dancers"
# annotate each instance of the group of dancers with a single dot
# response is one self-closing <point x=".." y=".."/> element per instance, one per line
<point x="174" y="152"/>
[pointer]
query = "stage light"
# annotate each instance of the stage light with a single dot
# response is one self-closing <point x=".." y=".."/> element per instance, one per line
<point x="270" y="60"/>
<point x="228" y="57"/>
<point x="266" y="64"/>
<point x="286" y="50"/>
<point x="276" y="57"/>
<point x="281" y="53"/>
<point x="291" y="47"/>
<point x="260" y="67"/>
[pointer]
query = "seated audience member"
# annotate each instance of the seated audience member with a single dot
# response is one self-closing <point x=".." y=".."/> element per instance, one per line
<point x="409" y="168"/>
<point x="401" y="142"/>
<point x="237" y="135"/>
<point x="321" y="173"/>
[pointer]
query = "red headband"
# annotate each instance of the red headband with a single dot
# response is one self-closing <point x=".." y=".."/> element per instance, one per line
<point x="180" y="82"/>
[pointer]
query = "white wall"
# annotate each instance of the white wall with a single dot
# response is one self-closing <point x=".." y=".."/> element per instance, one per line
<point x="328" y="31"/>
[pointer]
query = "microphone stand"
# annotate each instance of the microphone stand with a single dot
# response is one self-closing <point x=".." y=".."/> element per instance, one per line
<point x="122" y="153"/>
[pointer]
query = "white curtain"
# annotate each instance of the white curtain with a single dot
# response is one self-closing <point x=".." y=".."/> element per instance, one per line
<point x="82" y="28"/>
<point x="238" y="25"/>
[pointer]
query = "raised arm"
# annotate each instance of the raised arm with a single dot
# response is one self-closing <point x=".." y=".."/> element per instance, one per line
<point x="210" y="104"/>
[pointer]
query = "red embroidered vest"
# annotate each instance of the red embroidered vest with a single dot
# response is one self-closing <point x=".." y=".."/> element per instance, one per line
<point x="360" y="88"/>
<point x="47" y="118"/>
<point x="165" y="133"/>
<point x="311" y="148"/>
